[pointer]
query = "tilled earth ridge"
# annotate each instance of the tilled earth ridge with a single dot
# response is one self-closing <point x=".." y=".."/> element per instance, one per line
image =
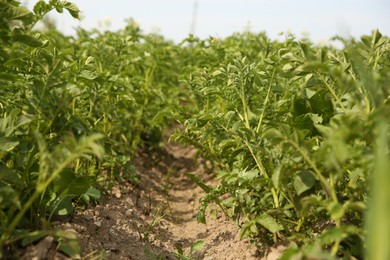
<point x="149" y="221"/>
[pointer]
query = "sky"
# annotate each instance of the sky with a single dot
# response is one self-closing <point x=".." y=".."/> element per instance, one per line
<point x="318" y="19"/>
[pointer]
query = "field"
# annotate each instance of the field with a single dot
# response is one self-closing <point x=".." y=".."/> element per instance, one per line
<point x="279" y="144"/>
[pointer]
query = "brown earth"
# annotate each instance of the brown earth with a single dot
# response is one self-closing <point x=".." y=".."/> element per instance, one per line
<point x="149" y="221"/>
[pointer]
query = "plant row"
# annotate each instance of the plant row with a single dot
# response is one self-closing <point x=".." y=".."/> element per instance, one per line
<point x="73" y="112"/>
<point x="298" y="135"/>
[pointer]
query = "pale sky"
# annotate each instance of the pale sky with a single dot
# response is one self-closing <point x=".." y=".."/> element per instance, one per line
<point x="320" y="19"/>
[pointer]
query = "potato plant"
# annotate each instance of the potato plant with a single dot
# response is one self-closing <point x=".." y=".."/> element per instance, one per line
<point x="291" y="129"/>
<point x="73" y="112"/>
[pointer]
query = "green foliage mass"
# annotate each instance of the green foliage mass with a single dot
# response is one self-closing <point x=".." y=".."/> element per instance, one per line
<point x="292" y="130"/>
<point x="297" y="134"/>
<point x="73" y="112"/>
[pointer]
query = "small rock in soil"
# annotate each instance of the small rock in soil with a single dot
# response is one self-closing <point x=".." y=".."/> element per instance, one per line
<point x="129" y="212"/>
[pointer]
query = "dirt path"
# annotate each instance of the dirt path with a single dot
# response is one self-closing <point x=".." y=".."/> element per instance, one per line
<point x="149" y="221"/>
<point x="221" y="236"/>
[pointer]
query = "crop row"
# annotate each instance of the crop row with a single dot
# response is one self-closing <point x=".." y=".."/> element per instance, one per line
<point x="73" y="112"/>
<point x="298" y="136"/>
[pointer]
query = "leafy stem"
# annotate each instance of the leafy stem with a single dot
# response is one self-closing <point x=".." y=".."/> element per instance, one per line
<point x="39" y="189"/>
<point x="262" y="169"/>
<point x="244" y="104"/>
<point x="265" y="101"/>
<point x="329" y="190"/>
<point x="322" y="78"/>
<point x="44" y="181"/>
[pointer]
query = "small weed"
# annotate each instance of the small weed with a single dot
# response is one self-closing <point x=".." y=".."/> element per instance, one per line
<point x="195" y="247"/>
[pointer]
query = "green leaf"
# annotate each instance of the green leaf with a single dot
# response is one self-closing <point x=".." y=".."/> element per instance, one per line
<point x="331" y="235"/>
<point x="216" y="73"/>
<point x="376" y="36"/>
<point x="273" y="134"/>
<point x="287" y="68"/>
<point x="68" y="184"/>
<point x="8" y="197"/>
<point x="354" y="177"/>
<point x="198" y="182"/>
<point x="300" y="107"/>
<point x="19" y="13"/>
<point x="198" y="245"/>
<point x="304" y="181"/>
<point x="249" y="175"/>
<point x="91" y="142"/>
<point x="292" y="252"/>
<point x="311" y="67"/>
<point x="28" y="40"/>
<point x="7" y="144"/>
<point x="63" y="206"/>
<point x="179" y="249"/>
<point x="24" y="119"/>
<point x="276" y="176"/>
<point x="71" y="247"/>
<point x="80" y="185"/>
<point x="93" y="193"/>
<point x="321" y="104"/>
<point x="59" y="9"/>
<point x="41" y="7"/>
<point x="315" y="118"/>
<point x="10" y="176"/>
<point x="366" y="40"/>
<point x="31" y="237"/>
<point x="89" y="60"/>
<point x="73" y="90"/>
<point x="336" y="211"/>
<point x="269" y="223"/>
<point x="69" y="235"/>
<point x="201" y="216"/>
<point x="303" y="122"/>
<point x="72" y="9"/>
<point x="247" y="229"/>
<point x="290" y="57"/>
<point x="87" y="74"/>
<point x="7" y="76"/>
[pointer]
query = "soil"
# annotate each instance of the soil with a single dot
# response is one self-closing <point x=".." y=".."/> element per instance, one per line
<point x="152" y="220"/>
